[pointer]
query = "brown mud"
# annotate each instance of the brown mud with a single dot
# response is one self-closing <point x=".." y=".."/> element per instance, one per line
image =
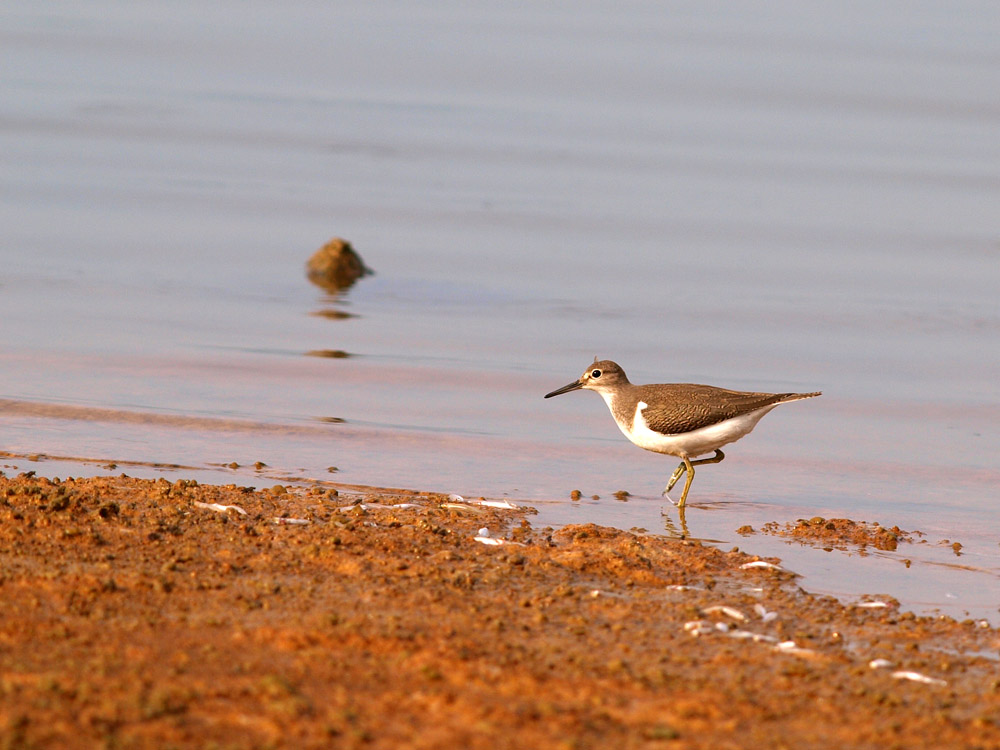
<point x="139" y="613"/>
<point x="839" y="533"/>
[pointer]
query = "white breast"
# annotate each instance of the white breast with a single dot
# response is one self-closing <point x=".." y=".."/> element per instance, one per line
<point x="695" y="443"/>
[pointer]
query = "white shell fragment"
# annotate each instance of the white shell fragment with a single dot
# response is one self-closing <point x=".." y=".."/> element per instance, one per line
<point x="880" y="664"/>
<point x="917" y="677"/>
<point x="764" y="615"/>
<point x="220" y="508"/>
<point x="760" y="564"/>
<point x="458" y="502"/>
<point x="728" y="611"/>
<point x="483" y="536"/>
<point x="376" y="506"/>
<point x="679" y="587"/>
<point x="790" y="647"/>
<point x="505" y="504"/>
<point x="706" y="627"/>
<point x="871" y="605"/>
<point x="291" y="521"/>
<point x="699" y="627"/>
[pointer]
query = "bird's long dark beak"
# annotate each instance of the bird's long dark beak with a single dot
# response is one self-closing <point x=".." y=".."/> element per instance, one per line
<point x="576" y="384"/>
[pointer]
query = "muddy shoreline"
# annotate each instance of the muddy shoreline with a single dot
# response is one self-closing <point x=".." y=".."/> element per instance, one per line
<point x="140" y="613"/>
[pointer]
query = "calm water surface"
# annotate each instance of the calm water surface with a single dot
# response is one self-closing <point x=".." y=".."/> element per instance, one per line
<point x="780" y="197"/>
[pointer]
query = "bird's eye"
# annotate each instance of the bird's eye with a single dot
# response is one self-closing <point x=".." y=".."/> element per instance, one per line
<point x="595" y="374"/>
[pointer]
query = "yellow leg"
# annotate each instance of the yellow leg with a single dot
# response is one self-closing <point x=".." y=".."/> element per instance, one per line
<point x="719" y="455"/>
<point x="688" y="466"/>
<point x="687" y="484"/>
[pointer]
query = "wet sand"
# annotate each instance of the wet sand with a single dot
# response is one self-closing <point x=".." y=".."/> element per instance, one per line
<point x="137" y="613"/>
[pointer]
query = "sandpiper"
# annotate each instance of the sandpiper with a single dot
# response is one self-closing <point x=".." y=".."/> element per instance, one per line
<point x="680" y="419"/>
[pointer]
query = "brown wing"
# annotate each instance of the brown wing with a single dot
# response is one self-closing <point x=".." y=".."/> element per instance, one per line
<point x="685" y="407"/>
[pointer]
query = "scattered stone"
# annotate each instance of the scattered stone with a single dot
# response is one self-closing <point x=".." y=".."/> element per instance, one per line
<point x="335" y="266"/>
<point x="839" y="533"/>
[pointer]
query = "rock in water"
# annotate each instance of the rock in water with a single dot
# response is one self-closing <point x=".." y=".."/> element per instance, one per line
<point x="335" y="266"/>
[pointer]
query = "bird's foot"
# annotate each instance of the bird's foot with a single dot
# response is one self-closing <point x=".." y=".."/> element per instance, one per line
<point x="678" y="472"/>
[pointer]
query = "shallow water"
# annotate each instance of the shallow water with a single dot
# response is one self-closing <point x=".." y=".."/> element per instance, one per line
<point x="802" y="198"/>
